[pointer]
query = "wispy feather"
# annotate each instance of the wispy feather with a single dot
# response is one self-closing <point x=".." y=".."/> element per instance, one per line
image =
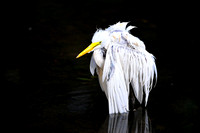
<point x="126" y="62"/>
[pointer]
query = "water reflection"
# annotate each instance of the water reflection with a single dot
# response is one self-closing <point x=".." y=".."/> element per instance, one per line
<point x="133" y="122"/>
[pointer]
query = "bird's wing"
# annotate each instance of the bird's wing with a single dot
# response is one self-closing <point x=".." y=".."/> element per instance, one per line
<point x="141" y="69"/>
<point x="117" y="90"/>
<point x="140" y="66"/>
<point x="131" y="66"/>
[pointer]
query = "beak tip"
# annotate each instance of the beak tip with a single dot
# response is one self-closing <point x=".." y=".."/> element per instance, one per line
<point x="88" y="49"/>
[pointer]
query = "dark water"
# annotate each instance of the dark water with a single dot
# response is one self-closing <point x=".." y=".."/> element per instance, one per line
<point x="83" y="108"/>
<point x="48" y="90"/>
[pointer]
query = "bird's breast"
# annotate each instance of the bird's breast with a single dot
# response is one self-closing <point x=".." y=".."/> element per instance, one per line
<point x="99" y="56"/>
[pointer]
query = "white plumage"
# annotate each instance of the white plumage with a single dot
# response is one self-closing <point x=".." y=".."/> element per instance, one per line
<point x="121" y="59"/>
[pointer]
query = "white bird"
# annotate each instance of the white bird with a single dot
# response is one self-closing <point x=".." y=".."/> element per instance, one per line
<point x="121" y="59"/>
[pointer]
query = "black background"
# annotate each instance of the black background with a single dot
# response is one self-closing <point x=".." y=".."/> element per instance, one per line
<point x="42" y="38"/>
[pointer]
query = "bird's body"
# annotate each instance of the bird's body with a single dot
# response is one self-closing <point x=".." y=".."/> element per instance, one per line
<point x="120" y="59"/>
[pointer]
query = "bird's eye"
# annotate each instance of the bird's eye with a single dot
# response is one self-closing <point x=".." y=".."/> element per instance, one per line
<point x="100" y="42"/>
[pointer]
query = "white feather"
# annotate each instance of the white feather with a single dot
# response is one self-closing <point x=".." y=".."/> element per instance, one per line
<point x="92" y="65"/>
<point x="126" y="62"/>
<point x="130" y="28"/>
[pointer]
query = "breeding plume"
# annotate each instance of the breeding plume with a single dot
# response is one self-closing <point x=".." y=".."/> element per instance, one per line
<point x="121" y="61"/>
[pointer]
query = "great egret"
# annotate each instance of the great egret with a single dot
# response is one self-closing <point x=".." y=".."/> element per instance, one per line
<point x="120" y="59"/>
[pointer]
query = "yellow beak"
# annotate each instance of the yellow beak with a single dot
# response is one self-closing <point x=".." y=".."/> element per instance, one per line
<point x="89" y="48"/>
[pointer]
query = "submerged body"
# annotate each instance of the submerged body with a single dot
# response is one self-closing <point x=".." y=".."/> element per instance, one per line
<point x="120" y="59"/>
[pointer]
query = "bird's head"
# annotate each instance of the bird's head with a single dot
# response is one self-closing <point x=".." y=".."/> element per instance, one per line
<point x="117" y="33"/>
<point x="100" y="39"/>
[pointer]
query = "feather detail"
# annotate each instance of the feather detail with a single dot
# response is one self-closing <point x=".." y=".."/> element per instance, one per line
<point x="130" y="28"/>
<point x="117" y="92"/>
<point x="137" y="67"/>
<point x="93" y="65"/>
<point x="125" y="62"/>
<point x="118" y="27"/>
